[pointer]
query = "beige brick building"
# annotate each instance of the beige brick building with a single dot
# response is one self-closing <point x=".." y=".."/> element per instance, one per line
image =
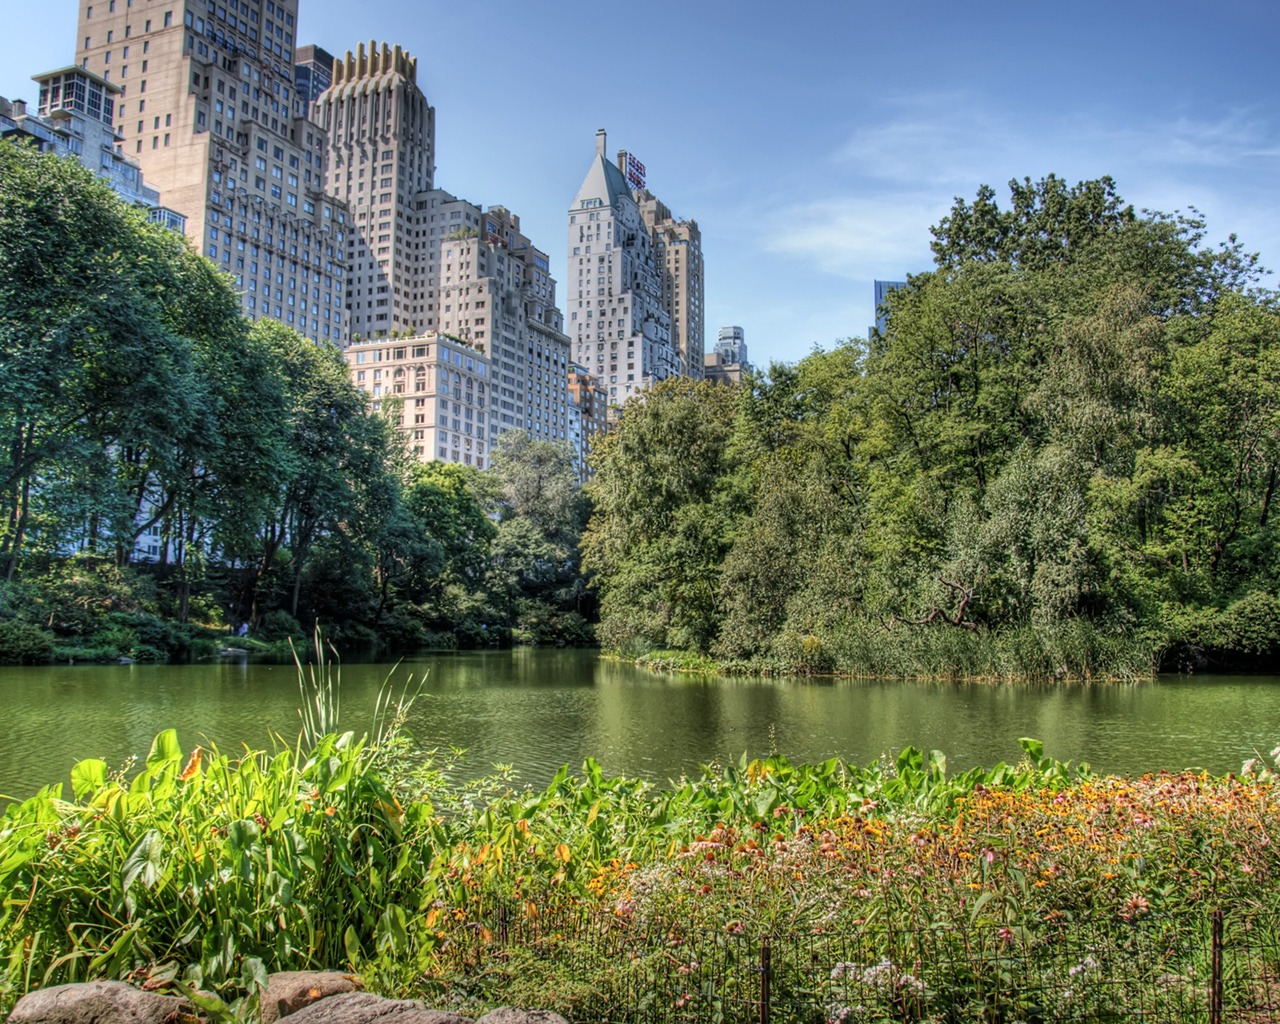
<point x="208" y="109"/>
<point x="438" y="389"/>
<point x="678" y="254"/>
<point x="423" y="261"/>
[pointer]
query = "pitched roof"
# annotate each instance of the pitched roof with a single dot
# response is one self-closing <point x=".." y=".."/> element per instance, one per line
<point x="603" y="181"/>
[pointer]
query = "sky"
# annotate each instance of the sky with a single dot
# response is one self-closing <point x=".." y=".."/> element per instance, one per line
<point x="815" y="142"/>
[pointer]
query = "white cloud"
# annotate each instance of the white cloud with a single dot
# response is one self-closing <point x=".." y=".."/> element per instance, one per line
<point x="896" y="178"/>
<point x="860" y="237"/>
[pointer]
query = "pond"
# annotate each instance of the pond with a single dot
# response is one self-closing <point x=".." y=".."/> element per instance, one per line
<point x="539" y="709"/>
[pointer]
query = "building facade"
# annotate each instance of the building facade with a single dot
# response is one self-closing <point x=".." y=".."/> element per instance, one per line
<point x="618" y="323"/>
<point x="75" y="119"/>
<point x="436" y="388"/>
<point x="678" y="254"/>
<point x="423" y="261"/>
<point x="588" y="416"/>
<point x="312" y="72"/>
<point x="209" y="110"/>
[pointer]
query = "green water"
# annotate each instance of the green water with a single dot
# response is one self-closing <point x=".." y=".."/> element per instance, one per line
<point x="539" y="709"/>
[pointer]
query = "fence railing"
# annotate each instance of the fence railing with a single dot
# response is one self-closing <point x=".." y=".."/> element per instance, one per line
<point x="1209" y="969"/>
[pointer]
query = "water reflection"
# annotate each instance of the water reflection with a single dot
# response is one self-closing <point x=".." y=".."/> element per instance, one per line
<point x="539" y="709"/>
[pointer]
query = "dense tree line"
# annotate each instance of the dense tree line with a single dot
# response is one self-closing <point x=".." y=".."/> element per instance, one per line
<point x="1060" y="458"/>
<point x="137" y="403"/>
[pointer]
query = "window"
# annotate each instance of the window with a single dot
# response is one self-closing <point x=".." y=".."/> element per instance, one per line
<point x="168" y="18"/>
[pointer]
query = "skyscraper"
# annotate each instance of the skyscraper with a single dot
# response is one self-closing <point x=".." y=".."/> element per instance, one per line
<point x="209" y="110"/>
<point x="678" y="254"/>
<point x="727" y="362"/>
<point x="381" y="137"/>
<point x="619" y="323"/>
<point x="423" y="261"/>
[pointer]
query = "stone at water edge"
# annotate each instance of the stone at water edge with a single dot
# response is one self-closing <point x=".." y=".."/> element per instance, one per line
<point x="287" y="992"/>
<point x="510" y="1015"/>
<point x="366" y="1008"/>
<point x="99" y="1002"/>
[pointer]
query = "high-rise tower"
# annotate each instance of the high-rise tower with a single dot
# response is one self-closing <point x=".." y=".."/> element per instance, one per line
<point x="424" y="262"/>
<point x="677" y="246"/>
<point x="381" y="137"/>
<point x="208" y="109"/>
<point x="618" y="321"/>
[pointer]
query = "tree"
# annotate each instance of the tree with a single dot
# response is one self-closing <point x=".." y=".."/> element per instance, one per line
<point x="334" y="446"/>
<point x="661" y="524"/>
<point x="101" y="399"/>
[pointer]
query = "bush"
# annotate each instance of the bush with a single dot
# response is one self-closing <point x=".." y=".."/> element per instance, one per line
<point x="470" y="633"/>
<point x="24" y="643"/>
<point x="544" y="625"/>
<point x="74" y="652"/>
<point x="280" y="625"/>
<point x="118" y="639"/>
<point x="78" y="594"/>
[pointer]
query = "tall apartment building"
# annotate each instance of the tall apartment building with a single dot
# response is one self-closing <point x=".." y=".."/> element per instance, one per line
<point x="423" y="261"/>
<point x="209" y="110"/>
<point x="678" y="253"/>
<point x="619" y="319"/>
<point x="75" y="119"/>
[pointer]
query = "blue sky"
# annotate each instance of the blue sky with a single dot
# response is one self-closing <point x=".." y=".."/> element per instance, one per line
<point x="815" y="142"/>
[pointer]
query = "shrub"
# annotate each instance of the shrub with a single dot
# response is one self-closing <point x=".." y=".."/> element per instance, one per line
<point x="118" y="639"/>
<point x="280" y="625"/>
<point x="24" y="643"/>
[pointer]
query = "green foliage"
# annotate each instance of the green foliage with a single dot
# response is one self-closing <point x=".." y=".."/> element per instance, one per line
<point x="1058" y="460"/>
<point x="24" y="643"/>
<point x="135" y="399"/>
<point x="660" y="530"/>
<point x="208" y="871"/>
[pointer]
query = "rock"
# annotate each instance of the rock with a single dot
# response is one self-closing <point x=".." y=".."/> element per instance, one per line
<point x="99" y="1002"/>
<point x="289" y="991"/>
<point x="366" y="1008"/>
<point x="510" y="1015"/>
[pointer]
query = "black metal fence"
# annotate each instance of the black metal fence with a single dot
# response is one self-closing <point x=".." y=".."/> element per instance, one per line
<point x="1210" y="968"/>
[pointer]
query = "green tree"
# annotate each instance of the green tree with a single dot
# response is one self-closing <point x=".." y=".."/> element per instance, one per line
<point x="100" y="394"/>
<point x="663" y="516"/>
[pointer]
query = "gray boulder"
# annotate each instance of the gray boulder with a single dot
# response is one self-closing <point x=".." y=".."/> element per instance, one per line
<point x="287" y="992"/>
<point x="366" y="1008"/>
<point x="99" y="1002"/>
<point x="510" y="1015"/>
